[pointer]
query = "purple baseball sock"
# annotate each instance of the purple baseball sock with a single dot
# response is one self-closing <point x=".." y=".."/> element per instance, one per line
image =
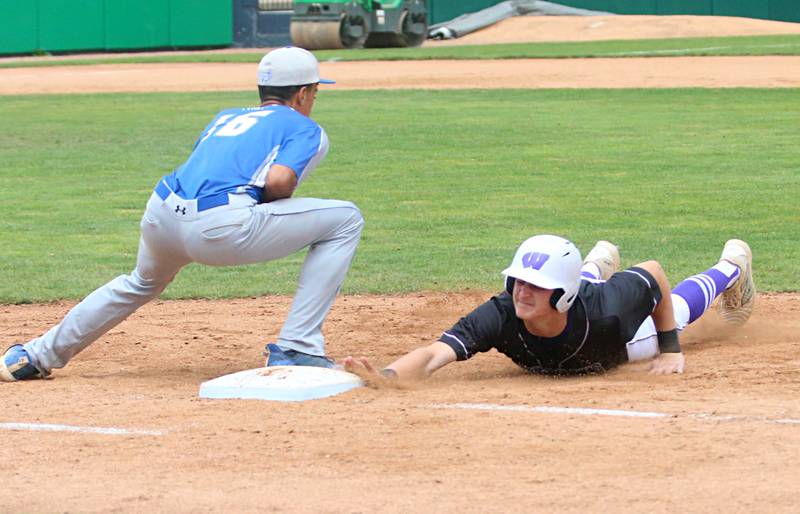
<point x="590" y="271"/>
<point x="699" y="291"/>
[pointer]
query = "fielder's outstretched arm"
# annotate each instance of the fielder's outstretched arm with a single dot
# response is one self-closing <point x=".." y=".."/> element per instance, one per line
<point x="416" y="365"/>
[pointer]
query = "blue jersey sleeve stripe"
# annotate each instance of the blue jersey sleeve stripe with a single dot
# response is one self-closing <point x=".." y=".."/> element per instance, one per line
<point x="300" y="149"/>
<point x="322" y="151"/>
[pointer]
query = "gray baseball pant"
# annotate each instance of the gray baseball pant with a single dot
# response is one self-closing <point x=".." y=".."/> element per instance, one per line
<point x="174" y="234"/>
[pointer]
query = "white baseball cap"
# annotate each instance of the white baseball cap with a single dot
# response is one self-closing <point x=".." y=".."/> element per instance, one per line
<point x="289" y="66"/>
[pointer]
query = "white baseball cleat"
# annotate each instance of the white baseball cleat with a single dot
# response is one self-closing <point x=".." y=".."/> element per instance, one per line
<point x="735" y="305"/>
<point x="605" y="256"/>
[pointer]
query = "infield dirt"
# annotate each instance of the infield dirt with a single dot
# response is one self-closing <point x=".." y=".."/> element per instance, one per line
<point x="730" y="444"/>
<point x="389" y="450"/>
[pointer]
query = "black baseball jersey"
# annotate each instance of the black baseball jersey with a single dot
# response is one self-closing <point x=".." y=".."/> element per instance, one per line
<point x="604" y="317"/>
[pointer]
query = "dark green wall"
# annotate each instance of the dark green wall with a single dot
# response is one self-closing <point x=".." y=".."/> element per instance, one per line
<point x="784" y="10"/>
<point x="686" y="7"/>
<point x="201" y="23"/>
<point x="70" y="25"/>
<point x="137" y="23"/>
<point x="444" y="10"/>
<point x="19" y="27"/>
<point x="744" y="8"/>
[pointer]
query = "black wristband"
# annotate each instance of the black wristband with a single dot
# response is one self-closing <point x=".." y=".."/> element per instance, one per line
<point x="388" y="373"/>
<point x="668" y="341"/>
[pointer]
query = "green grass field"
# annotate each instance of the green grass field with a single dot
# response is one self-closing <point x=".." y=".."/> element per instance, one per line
<point x="738" y="45"/>
<point x="449" y="183"/>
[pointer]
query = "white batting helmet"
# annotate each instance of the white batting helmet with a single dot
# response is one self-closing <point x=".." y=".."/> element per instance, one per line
<point x="550" y="262"/>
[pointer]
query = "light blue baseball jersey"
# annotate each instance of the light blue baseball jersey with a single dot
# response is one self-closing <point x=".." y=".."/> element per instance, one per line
<point x="236" y="150"/>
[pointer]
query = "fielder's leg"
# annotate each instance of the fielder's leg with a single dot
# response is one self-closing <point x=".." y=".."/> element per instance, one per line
<point x="158" y="261"/>
<point x="322" y="275"/>
<point x="331" y="229"/>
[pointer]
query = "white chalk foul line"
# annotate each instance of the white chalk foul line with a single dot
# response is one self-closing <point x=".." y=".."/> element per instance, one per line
<point x="550" y="410"/>
<point x="603" y="412"/>
<point x="44" y="427"/>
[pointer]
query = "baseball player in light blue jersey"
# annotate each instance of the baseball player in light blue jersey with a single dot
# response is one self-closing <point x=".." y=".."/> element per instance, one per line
<point x="230" y="203"/>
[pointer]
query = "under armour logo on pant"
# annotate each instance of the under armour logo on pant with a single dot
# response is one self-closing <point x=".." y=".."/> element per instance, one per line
<point x="181" y="210"/>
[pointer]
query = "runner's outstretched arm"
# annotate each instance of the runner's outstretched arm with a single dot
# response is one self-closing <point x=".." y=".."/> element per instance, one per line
<point x="416" y="365"/>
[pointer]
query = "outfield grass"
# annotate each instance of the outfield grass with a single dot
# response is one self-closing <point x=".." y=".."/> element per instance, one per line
<point x="449" y="183"/>
<point x="737" y="45"/>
